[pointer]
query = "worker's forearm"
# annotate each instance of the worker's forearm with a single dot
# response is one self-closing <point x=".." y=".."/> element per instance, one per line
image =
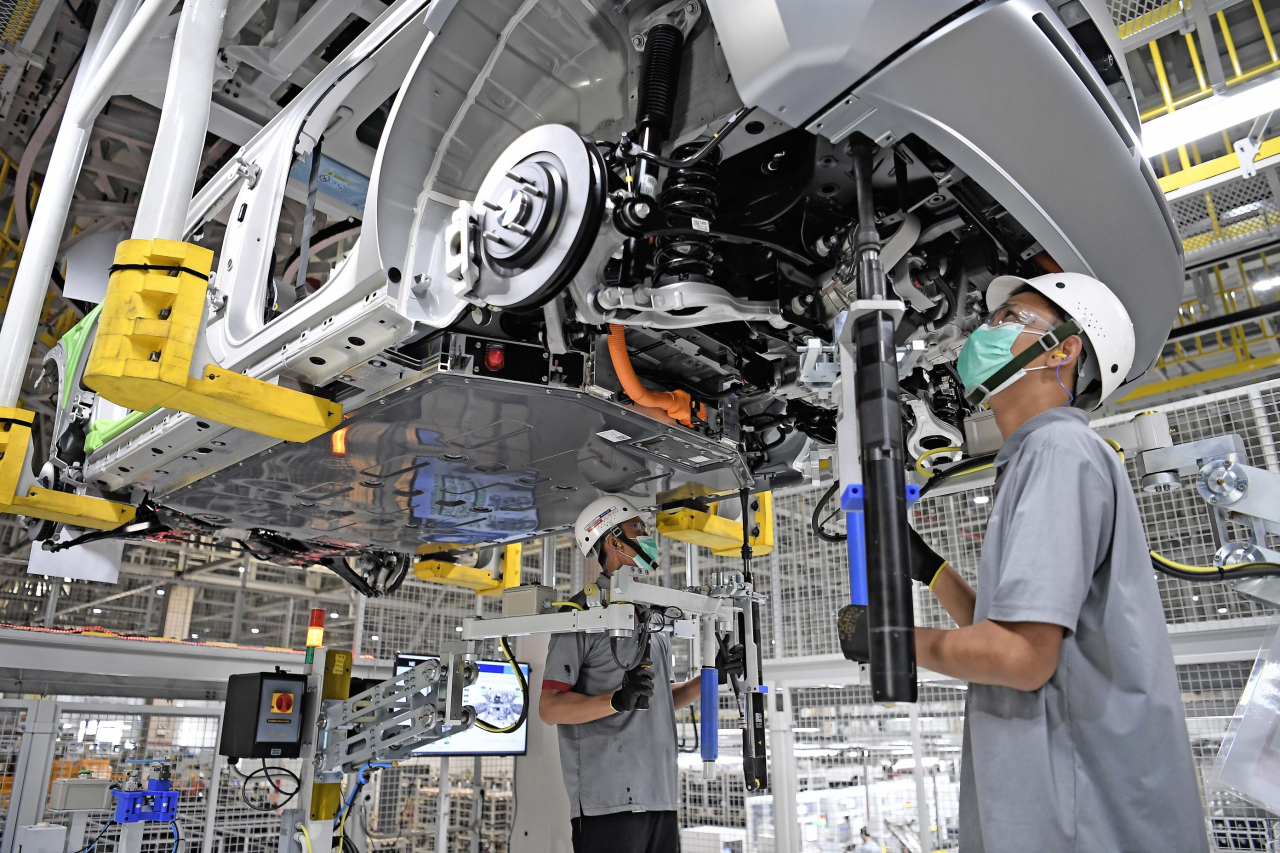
<point x="985" y="653"/>
<point x="686" y="692"/>
<point x="561" y="708"/>
<point x="956" y="596"/>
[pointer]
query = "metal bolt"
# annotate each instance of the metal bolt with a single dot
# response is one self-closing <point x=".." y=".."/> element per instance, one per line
<point x="637" y="41"/>
<point x="642" y="210"/>
<point x="691" y="8"/>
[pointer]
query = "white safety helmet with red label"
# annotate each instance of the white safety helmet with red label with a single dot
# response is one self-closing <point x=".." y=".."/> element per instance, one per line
<point x="1108" y="331"/>
<point x="601" y="516"/>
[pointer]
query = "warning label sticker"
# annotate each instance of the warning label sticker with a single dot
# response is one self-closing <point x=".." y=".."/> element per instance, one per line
<point x="613" y="435"/>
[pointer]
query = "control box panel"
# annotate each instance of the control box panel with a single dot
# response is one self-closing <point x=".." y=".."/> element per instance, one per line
<point x="263" y="717"/>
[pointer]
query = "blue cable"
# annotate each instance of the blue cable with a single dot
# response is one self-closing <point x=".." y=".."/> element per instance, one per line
<point x="361" y="779"/>
<point x="177" y="839"/>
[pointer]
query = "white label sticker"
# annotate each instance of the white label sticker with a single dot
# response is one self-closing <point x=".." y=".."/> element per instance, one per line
<point x="698" y="460"/>
<point x="613" y="435"/>
<point x="701" y="224"/>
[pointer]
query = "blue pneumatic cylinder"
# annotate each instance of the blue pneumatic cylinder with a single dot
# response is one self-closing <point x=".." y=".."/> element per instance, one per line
<point x="710" y="713"/>
<point x="851" y="503"/>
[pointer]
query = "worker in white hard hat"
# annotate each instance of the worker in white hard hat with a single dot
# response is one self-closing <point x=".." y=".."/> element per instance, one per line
<point x="1075" y="736"/>
<point x="614" y="704"/>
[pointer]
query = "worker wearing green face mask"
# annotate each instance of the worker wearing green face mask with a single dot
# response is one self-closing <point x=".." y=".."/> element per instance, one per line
<point x="1073" y="706"/>
<point x="613" y="703"/>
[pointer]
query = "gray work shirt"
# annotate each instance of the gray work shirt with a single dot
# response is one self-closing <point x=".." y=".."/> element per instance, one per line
<point x="625" y="762"/>
<point x="1098" y="758"/>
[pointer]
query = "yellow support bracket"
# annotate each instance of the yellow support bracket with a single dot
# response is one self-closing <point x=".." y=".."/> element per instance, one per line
<point x="722" y="535"/>
<point x="147" y="332"/>
<point x="62" y="507"/>
<point x="326" y="797"/>
<point x="481" y="581"/>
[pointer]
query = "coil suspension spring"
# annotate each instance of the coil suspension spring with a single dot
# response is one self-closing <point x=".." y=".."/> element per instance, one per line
<point x="691" y="191"/>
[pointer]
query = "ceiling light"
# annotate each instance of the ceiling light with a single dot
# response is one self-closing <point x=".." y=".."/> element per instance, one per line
<point x="1222" y="610"/>
<point x="333" y="615"/>
<point x="1195" y="598"/>
<point x="457" y="627"/>
<point x="375" y="638"/>
<point x="195" y="636"/>
<point x="253" y="630"/>
<point x="1208" y="117"/>
<point x="242" y="570"/>
<point x="97" y="610"/>
<point x="981" y="499"/>
<point x="159" y="592"/>
<point x="1266" y="283"/>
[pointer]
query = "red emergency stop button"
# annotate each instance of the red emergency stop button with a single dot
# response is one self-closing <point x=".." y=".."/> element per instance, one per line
<point x="282" y="703"/>
<point x="494" y="357"/>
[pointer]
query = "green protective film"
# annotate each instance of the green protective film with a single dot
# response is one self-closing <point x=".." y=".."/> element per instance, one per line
<point x="103" y="431"/>
<point x="73" y="346"/>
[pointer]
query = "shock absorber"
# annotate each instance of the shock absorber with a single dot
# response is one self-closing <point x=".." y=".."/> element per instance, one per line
<point x="656" y="98"/>
<point x="688" y="191"/>
<point x="892" y="622"/>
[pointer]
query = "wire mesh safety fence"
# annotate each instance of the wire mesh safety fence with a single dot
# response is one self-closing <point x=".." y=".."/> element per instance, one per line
<point x="403" y="805"/>
<point x="109" y="745"/>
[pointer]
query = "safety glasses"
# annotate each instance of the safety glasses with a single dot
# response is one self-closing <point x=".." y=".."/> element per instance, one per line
<point x="1012" y="313"/>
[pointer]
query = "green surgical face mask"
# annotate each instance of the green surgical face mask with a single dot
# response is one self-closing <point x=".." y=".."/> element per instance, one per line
<point x="648" y="551"/>
<point x="988" y="349"/>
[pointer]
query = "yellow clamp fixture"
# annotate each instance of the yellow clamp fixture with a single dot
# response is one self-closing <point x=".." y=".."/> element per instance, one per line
<point x="142" y="355"/>
<point x="37" y="502"/>
<point x="722" y="535"/>
<point x="481" y="581"/>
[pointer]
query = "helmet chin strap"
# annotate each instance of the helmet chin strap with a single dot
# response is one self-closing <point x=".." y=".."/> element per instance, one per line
<point x="634" y="546"/>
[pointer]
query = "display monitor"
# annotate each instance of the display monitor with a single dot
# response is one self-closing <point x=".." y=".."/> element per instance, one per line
<point x="497" y="699"/>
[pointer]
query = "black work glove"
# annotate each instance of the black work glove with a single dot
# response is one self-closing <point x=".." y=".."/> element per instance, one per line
<point x="731" y="661"/>
<point x="636" y="683"/>
<point x="855" y="632"/>
<point x="926" y="563"/>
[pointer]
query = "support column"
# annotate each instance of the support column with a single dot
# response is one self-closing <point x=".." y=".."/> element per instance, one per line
<point x="477" y="803"/>
<point x="549" y="561"/>
<point x="211" y="798"/>
<point x="442" y="807"/>
<point x="1208" y="46"/>
<point x="51" y="602"/>
<point x="177" y="614"/>
<point x="786" y="821"/>
<point x="31" y="781"/>
<point x="357" y="628"/>
<point x="922" y="799"/>
<point x="151" y="608"/>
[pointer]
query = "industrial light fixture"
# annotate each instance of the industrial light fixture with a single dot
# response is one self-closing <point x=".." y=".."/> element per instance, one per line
<point x="334" y="615"/>
<point x="375" y="638"/>
<point x="1222" y="610"/>
<point x="242" y="570"/>
<point x="981" y="499"/>
<point x="457" y="627"/>
<point x="195" y="636"/>
<point x="1195" y="598"/>
<point x="253" y="631"/>
<point x="1208" y="117"/>
<point x="97" y="610"/>
<point x="1266" y="283"/>
<point x="159" y="592"/>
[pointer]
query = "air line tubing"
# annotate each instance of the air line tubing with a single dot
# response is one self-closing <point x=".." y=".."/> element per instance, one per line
<point x="893" y="650"/>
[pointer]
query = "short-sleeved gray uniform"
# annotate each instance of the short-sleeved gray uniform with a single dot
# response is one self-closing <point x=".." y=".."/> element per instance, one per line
<point x="1098" y="758"/>
<point x="625" y="762"/>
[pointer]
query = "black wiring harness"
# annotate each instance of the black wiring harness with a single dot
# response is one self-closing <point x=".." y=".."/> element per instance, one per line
<point x="524" y="693"/>
<point x="266" y="772"/>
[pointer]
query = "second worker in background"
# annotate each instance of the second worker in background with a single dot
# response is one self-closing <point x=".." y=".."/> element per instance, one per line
<point x="619" y="757"/>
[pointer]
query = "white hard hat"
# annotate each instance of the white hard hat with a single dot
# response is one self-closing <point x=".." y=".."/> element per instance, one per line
<point x="601" y="516"/>
<point x="1108" y="331"/>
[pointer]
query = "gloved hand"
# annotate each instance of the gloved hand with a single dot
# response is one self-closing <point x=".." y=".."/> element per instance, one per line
<point x="926" y="563"/>
<point x="731" y="661"/>
<point x="855" y="632"/>
<point x="636" y="683"/>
